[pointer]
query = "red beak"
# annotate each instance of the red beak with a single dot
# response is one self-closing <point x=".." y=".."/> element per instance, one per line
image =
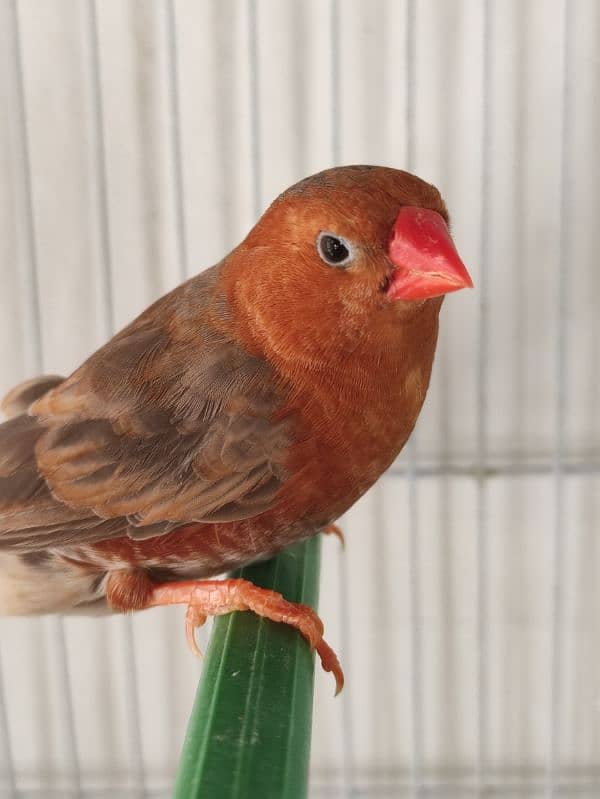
<point x="426" y="261"/>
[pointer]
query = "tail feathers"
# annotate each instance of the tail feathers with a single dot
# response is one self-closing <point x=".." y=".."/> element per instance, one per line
<point x="23" y="395"/>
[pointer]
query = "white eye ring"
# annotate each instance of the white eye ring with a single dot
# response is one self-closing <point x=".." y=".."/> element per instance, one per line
<point x="334" y="250"/>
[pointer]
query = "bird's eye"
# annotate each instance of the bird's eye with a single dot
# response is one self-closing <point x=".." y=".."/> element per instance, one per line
<point x="334" y="250"/>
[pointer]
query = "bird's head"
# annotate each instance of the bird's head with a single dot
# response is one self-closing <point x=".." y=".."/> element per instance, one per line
<point x="346" y="256"/>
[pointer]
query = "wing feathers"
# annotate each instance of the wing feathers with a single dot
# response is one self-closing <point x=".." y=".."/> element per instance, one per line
<point x="170" y="423"/>
<point x="19" y="398"/>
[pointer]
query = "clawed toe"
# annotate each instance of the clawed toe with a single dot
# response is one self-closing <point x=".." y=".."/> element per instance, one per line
<point x="329" y="662"/>
<point x="193" y="619"/>
<point x="333" y="529"/>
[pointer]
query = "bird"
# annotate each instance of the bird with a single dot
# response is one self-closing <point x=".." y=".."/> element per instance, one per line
<point x="244" y="411"/>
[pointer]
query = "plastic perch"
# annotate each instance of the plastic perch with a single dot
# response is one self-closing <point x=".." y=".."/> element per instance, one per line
<point x="250" y="728"/>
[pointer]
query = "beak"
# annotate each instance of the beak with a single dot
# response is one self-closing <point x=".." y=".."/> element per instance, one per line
<point x="426" y="261"/>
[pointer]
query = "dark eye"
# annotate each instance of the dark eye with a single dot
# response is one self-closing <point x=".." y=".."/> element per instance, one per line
<point x="334" y="250"/>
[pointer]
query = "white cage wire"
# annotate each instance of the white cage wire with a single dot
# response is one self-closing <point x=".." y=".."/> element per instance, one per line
<point x="139" y="140"/>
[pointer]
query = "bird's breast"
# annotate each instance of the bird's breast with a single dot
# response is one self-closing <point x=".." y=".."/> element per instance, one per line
<point x="353" y="431"/>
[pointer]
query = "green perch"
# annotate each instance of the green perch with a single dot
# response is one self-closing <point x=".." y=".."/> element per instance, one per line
<point x="250" y="728"/>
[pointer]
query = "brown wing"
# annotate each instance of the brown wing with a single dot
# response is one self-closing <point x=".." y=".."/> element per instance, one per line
<point x="171" y="422"/>
<point x="21" y="397"/>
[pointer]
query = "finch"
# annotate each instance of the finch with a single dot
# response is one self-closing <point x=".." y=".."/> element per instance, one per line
<point x="245" y="410"/>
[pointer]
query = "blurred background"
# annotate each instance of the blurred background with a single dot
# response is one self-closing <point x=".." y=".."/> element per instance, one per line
<point x="139" y="141"/>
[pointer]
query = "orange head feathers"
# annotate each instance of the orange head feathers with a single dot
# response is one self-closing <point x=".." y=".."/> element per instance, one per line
<point x="342" y="256"/>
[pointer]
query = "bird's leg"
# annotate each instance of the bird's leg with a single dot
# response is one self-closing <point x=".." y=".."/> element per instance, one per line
<point x="333" y="529"/>
<point x="217" y="597"/>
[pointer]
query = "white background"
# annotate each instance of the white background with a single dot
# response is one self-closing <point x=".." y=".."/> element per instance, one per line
<point x="464" y="664"/>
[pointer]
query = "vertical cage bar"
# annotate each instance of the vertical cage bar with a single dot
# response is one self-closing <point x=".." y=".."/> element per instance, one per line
<point x="564" y="234"/>
<point x="410" y="65"/>
<point x="100" y="186"/>
<point x="254" y="91"/>
<point x="96" y="134"/>
<point x="175" y="120"/>
<point x="132" y="710"/>
<point x="483" y="404"/>
<point x="416" y="658"/>
<point x="56" y="625"/>
<point x="34" y="327"/>
<point x="31" y="288"/>
<point x="344" y="593"/>
<point x="7" y="753"/>
<point x="414" y="586"/>
<point x="334" y="21"/>
<point x="30" y="246"/>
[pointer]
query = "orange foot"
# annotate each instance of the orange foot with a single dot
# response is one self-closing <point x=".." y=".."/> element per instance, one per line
<point x="333" y="529"/>
<point x="217" y="597"/>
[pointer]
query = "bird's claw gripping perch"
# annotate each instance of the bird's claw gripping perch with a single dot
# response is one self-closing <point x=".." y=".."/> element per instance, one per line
<point x="217" y="597"/>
